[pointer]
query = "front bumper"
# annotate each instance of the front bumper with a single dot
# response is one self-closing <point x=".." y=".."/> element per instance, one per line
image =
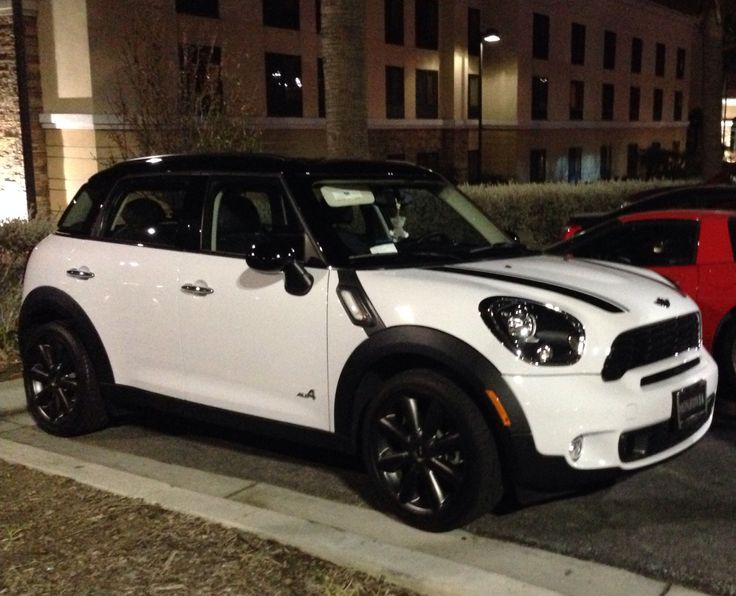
<point x="622" y="425"/>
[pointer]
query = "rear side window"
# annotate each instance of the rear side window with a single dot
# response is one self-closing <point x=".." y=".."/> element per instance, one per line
<point x="81" y="213"/>
<point x="157" y="211"/>
<point x="662" y="243"/>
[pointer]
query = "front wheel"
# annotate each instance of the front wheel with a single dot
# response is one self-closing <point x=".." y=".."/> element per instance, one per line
<point x="62" y="392"/>
<point x="430" y="452"/>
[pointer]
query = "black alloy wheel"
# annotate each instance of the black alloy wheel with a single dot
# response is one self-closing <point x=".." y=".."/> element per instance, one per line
<point x="430" y="452"/>
<point x="61" y="388"/>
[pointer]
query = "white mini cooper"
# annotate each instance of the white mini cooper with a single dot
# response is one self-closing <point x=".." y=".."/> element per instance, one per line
<point x="363" y="304"/>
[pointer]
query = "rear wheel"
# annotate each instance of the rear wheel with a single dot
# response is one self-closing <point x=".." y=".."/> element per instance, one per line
<point x="62" y="392"/>
<point x="430" y="452"/>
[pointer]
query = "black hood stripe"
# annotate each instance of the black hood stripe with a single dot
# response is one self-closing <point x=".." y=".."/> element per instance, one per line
<point x="543" y="285"/>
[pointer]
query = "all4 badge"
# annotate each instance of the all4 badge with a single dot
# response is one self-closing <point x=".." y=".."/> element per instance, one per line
<point x="308" y="395"/>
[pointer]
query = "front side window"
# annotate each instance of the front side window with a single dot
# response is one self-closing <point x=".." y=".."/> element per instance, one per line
<point x="284" y="85"/>
<point x="662" y="243"/>
<point x="395" y="223"/>
<point x="79" y="216"/>
<point x="157" y="211"/>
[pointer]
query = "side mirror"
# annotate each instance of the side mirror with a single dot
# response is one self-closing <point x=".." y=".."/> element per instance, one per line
<point x="271" y="255"/>
<point x="297" y="280"/>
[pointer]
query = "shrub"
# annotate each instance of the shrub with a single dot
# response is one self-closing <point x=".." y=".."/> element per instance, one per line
<point x="537" y="212"/>
<point x="17" y="238"/>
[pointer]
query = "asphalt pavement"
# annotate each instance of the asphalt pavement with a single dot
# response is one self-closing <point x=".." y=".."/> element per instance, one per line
<point x="344" y="533"/>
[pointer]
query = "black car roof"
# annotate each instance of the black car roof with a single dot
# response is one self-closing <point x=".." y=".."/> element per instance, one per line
<point x="259" y="163"/>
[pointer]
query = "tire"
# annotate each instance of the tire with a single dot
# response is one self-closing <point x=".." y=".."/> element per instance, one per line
<point x="725" y="354"/>
<point x="430" y="453"/>
<point x="62" y="392"/>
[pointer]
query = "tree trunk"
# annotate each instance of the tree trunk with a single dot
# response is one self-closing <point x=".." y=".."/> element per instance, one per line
<point x="343" y="43"/>
<point x="712" y="90"/>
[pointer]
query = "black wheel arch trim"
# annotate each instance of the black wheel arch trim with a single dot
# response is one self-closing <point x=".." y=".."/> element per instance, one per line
<point x="391" y="350"/>
<point x="45" y="304"/>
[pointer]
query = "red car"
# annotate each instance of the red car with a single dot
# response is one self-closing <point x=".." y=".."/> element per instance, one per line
<point x="693" y="248"/>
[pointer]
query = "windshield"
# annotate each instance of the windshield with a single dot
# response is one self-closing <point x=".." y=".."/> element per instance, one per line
<point x="385" y="222"/>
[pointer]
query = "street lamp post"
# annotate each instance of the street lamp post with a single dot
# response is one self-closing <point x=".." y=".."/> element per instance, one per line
<point x="490" y="36"/>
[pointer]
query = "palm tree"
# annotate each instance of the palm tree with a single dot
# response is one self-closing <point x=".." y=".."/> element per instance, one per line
<point x="343" y="42"/>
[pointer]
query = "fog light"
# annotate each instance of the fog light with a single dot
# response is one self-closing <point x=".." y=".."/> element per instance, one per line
<point x="575" y="448"/>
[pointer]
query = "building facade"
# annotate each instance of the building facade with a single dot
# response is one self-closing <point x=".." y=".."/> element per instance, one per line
<point x="575" y="90"/>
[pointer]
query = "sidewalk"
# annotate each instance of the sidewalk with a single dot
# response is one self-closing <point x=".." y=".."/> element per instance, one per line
<point x="353" y="537"/>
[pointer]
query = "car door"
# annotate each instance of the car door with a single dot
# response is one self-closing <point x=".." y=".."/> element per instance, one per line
<point x="127" y="280"/>
<point x="247" y="344"/>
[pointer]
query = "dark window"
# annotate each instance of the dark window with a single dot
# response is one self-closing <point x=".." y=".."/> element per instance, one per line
<point x="321" y="109"/>
<point x="607" y="101"/>
<point x="574" y="164"/>
<point x="677" y="107"/>
<point x="394" y="21"/>
<point x="661" y="243"/>
<point x="318" y="15"/>
<point x="540" y="36"/>
<point x="660" y="60"/>
<point x="281" y="13"/>
<point x="634" y="103"/>
<point x="637" y="47"/>
<point x="283" y="85"/>
<point x="199" y="8"/>
<point x="427" y="93"/>
<point x="606" y="160"/>
<point x="427" y="24"/>
<point x="429" y="159"/>
<point x="158" y="211"/>
<point x="540" y="93"/>
<point x="538" y="165"/>
<point x="577" y="44"/>
<point x="657" y="105"/>
<point x="473" y="31"/>
<point x="200" y="77"/>
<point x="632" y="160"/>
<point x="577" y="99"/>
<point x="473" y="96"/>
<point x="609" y="50"/>
<point x="680" y="67"/>
<point x="394" y="92"/>
<point x="242" y="211"/>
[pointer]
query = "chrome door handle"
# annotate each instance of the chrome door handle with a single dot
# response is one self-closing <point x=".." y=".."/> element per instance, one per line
<point x="197" y="289"/>
<point x="80" y="273"/>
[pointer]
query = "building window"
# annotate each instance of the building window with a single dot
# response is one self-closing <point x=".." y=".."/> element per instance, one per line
<point x="540" y="36"/>
<point x="283" y="85"/>
<point x="574" y="164"/>
<point x="634" y="103"/>
<point x="637" y="48"/>
<point x="321" y="111"/>
<point x="677" y="108"/>
<point x="201" y="77"/>
<point x="281" y="13"/>
<point x="427" y="24"/>
<point x="540" y="93"/>
<point x="577" y="99"/>
<point x="660" y="60"/>
<point x="394" y="21"/>
<point x="609" y="50"/>
<point x="607" y="101"/>
<point x="473" y="31"/>
<point x="577" y="44"/>
<point x="199" y="8"/>
<point x="394" y="92"/>
<point x="473" y="96"/>
<point x="538" y="165"/>
<point x="427" y="94"/>
<point x="680" y="68"/>
<point x="606" y="170"/>
<point x="632" y="160"/>
<point x="657" y="105"/>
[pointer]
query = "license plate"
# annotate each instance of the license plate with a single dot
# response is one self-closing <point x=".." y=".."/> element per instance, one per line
<point x="689" y="405"/>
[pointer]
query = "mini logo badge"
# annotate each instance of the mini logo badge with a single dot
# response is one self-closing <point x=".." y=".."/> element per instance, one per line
<point x="662" y="302"/>
<point x="308" y="395"/>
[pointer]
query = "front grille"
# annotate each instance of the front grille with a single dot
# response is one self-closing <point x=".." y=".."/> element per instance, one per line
<point x="651" y="343"/>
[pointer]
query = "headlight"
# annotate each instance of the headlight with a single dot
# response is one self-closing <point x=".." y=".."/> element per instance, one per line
<point x="537" y="333"/>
